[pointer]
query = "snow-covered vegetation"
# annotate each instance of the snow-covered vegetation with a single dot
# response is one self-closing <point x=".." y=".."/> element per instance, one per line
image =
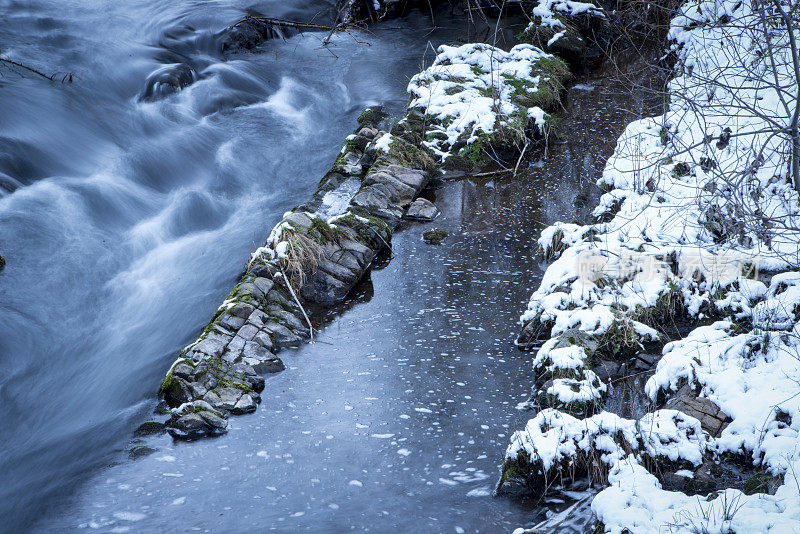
<point x="479" y="100"/>
<point x="695" y="257"/>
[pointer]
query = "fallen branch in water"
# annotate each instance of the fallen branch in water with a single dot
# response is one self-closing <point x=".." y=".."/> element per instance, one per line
<point x="283" y="23"/>
<point x="66" y="79"/>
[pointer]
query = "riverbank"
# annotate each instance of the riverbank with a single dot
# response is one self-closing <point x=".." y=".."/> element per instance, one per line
<point x="475" y="105"/>
<point x="668" y="329"/>
<point x="409" y="388"/>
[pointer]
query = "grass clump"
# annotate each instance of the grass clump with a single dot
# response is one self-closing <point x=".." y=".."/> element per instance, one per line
<point x="371" y="116"/>
<point x="412" y="156"/>
<point x="435" y="236"/>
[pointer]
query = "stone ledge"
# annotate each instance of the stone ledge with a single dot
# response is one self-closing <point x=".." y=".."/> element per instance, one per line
<point x="316" y="254"/>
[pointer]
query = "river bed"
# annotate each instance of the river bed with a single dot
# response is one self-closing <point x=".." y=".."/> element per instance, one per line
<point x="136" y="219"/>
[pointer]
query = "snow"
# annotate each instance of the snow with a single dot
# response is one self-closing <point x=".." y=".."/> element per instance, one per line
<point x="469" y="89"/>
<point x="547" y="11"/>
<point x="672" y="234"/>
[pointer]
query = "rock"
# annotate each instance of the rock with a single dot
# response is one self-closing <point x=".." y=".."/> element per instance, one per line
<point x="644" y="362"/>
<point x="256" y="382"/>
<point x="230" y="321"/>
<point x="711" y="417"/>
<point x="162" y="408"/>
<point x="368" y="132"/>
<point x="343" y="257"/>
<point x="217" y="423"/>
<point x="258" y="318"/>
<point x="264" y="339"/>
<point x="577" y="337"/>
<point x="370" y="198"/>
<point x="211" y="346"/>
<point x="214" y="400"/>
<point x="394" y="189"/>
<point x="411" y="177"/>
<point x="569" y="45"/>
<point x="607" y="370"/>
<point x="245" y="404"/>
<point x="183" y="370"/>
<point x="435" y="236"/>
<point x="228" y="397"/>
<point x="140" y="451"/>
<point x="283" y="336"/>
<point x="350" y="170"/>
<point x="252" y="349"/>
<point x="189" y="426"/>
<point x="534" y="332"/>
<point x="301" y="221"/>
<point x="203" y="405"/>
<point x="267" y="365"/>
<point x="177" y="391"/>
<point x="337" y="271"/>
<point x="247" y="332"/>
<point x="197" y="389"/>
<point x="264" y="270"/>
<point x="370" y="117"/>
<point x="242" y="310"/>
<point x="248" y="34"/>
<point x="322" y="288"/>
<point x="236" y="345"/>
<point x="149" y="428"/>
<point x="263" y="286"/>
<point x="168" y="79"/>
<point x="422" y="210"/>
<point x="290" y="320"/>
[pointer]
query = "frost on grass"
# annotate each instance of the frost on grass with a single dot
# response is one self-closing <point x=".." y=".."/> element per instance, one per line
<point x="697" y="202"/>
<point x="482" y="103"/>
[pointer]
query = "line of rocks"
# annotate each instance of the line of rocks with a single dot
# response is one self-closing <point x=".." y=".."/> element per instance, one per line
<point x="316" y="254"/>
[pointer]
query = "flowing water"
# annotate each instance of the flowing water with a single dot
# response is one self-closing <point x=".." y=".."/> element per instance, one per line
<point x="125" y="222"/>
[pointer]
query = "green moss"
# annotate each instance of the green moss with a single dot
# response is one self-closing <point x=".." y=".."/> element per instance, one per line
<point x="324" y="232"/>
<point x="478" y="150"/>
<point x="571" y="43"/>
<point x="369" y="232"/>
<point x="434" y="236"/>
<point x="230" y="382"/>
<point x="762" y="481"/>
<point x="619" y="342"/>
<point x="412" y="156"/>
<point x="448" y="78"/>
<point x="168" y="384"/>
<point x="529" y="94"/>
<point x="371" y="115"/>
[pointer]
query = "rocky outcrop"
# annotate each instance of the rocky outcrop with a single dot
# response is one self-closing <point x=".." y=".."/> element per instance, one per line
<point x="711" y="417"/>
<point x="316" y="254"/>
<point x="422" y="210"/>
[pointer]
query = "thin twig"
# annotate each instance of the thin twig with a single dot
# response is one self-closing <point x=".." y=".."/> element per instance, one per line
<point x="67" y="77"/>
<point x="294" y="296"/>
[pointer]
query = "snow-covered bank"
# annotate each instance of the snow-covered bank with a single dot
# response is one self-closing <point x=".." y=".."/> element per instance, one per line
<point x="699" y="202"/>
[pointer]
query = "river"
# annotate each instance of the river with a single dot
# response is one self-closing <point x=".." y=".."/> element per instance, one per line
<point x="125" y="223"/>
